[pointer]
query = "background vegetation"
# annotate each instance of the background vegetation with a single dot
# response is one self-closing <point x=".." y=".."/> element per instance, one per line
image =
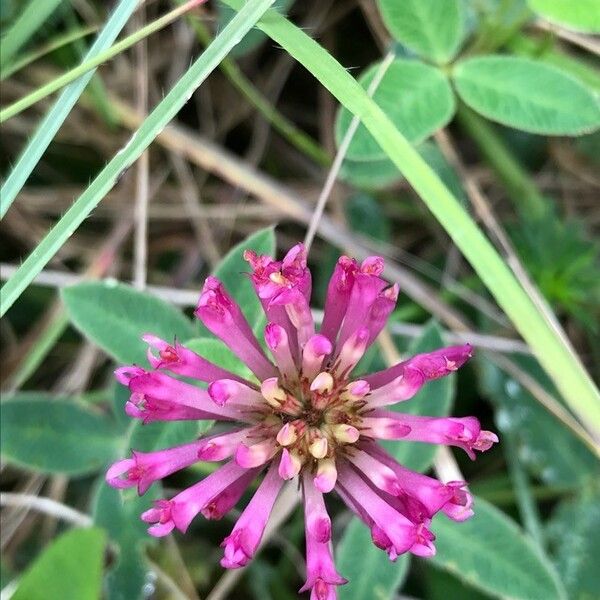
<point x="457" y="138"/>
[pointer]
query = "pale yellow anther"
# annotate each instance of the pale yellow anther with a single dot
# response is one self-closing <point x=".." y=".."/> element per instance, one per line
<point x="287" y="435"/>
<point x="278" y="278"/>
<point x="322" y="383"/>
<point x="318" y="448"/>
<point x="272" y="393"/>
<point x="345" y="434"/>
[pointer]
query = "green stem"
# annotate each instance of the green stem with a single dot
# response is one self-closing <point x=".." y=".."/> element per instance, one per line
<point x="38" y="352"/>
<point x="154" y="123"/>
<point x="519" y="185"/>
<point x="555" y="354"/>
<point x="57" y="43"/>
<point x="79" y="70"/>
<point x="287" y="129"/>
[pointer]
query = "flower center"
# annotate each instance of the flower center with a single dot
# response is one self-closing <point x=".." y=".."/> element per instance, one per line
<point x="314" y="419"/>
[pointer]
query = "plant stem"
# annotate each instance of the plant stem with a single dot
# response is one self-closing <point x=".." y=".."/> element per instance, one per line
<point x="58" y="42"/>
<point x="519" y="185"/>
<point x="69" y="76"/>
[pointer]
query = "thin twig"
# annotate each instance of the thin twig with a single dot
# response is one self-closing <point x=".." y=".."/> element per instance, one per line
<point x="341" y="154"/>
<point x="46" y="506"/>
<point x="195" y="210"/>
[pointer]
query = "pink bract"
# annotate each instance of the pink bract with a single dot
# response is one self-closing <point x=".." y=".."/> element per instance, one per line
<point x="304" y="416"/>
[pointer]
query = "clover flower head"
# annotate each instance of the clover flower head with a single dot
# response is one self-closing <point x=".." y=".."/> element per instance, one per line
<point x="303" y="415"/>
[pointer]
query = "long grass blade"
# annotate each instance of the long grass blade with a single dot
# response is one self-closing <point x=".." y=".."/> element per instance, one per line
<point x="555" y="354"/>
<point x="166" y="110"/>
<point x="60" y="110"/>
<point x="32" y="17"/>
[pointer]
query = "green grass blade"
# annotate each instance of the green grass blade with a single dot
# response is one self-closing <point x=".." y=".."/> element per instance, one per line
<point x="30" y="20"/>
<point x="231" y="35"/>
<point x="87" y="65"/>
<point x="58" y="113"/>
<point x="555" y="355"/>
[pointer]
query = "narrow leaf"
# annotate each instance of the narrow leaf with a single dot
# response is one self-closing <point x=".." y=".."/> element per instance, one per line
<point x="527" y="94"/>
<point x="115" y="316"/>
<point x="31" y="18"/>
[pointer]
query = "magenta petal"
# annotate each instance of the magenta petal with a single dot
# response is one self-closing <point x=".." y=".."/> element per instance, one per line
<point x="338" y="296"/>
<point x="224" y="318"/>
<point x="245" y="537"/>
<point x="318" y="523"/>
<point x="432" y="365"/>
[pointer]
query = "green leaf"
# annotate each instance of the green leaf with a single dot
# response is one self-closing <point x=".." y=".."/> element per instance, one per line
<point x="435" y="399"/>
<point x="548" y="450"/>
<point x="416" y="97"/>
<point x="370" y="174"/>
<point x="165" y="434"/>
<point x="56" y="436"/>
<point x="441" y="585"/>
<point x="233" y="268"/>
<point x="433" y="156"/>
<point x="115" y="316"/>
<point x="119" y="514"/>
<point x="69" y="569"/>
<point x="369" y="572"/>
<point x="380" y="174"/>
<point x="492" y="554"/>
<point x="573" y="536"/>
<point x="365" y="216"/>
<point x="527" y="95"/>
<point x="433" y="29"/>
<point x="582" y="15"/>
